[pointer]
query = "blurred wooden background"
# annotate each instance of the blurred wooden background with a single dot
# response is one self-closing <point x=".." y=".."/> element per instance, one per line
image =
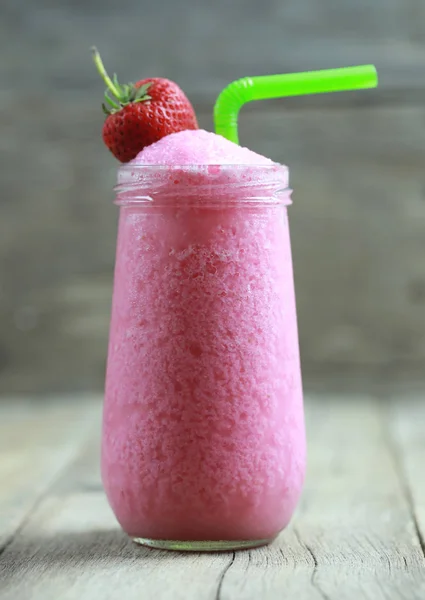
<point x="357" y="166"/>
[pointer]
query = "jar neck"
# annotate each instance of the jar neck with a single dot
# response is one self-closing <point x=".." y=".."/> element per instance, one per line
<point x="203" y="185"/>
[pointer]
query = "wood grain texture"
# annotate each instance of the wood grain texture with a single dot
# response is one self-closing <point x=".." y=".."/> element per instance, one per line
<point x="354" y="520"/>
<point x="354" y="537"/>
<point x="36" y="443"/>
<point x="406" y="438"/>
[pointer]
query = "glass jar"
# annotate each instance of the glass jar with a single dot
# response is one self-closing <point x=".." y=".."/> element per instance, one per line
<point x="203" y="429"/>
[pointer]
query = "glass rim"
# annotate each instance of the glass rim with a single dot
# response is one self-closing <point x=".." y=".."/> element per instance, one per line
<point x="128" y="170"/>
<point x="150" y="184"/>
<point x="160" y="166"/>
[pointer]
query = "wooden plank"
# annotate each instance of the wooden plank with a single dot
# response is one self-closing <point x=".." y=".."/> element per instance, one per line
<point x="71" y="546"/>
<point x="73" y="549"/>
<point x="37" y="440"/>
<point x="354" y="519"/>
<point x="353" y="537"/>
<point x="406" y="431"/>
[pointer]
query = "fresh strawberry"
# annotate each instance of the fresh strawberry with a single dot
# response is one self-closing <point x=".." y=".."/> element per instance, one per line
<point x="142" y="113"/>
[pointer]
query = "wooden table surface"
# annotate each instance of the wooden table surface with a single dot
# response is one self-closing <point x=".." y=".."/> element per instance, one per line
<point x="358" y="533"/>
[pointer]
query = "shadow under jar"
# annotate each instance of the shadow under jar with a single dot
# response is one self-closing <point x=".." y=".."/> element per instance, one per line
<point x="203" y="428"/>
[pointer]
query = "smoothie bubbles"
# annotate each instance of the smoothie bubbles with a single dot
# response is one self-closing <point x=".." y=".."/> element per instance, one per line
<point x="203" y="429"/>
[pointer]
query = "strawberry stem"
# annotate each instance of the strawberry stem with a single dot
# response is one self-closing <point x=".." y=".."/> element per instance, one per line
<point x="115" y="89"/>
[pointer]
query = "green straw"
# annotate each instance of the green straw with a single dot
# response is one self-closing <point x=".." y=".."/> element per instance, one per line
<point x="238" y="93"/>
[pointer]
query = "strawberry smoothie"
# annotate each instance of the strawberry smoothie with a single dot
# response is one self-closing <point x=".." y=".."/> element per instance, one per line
<point x="203" y="429"/>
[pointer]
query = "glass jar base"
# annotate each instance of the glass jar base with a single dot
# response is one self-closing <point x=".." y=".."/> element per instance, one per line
<point x="202" y="546"/>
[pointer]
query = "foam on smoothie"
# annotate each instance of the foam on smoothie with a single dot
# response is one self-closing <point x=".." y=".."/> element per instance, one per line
<point x="196" y="148"/>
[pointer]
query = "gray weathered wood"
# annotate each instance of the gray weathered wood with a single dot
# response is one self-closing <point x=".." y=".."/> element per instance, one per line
<point x="354" y="536"/>
<point x="354" y="519"/>
<point x="36" y="443"/>
<point x="72" y="549"/>
<point x="406" y="434"/>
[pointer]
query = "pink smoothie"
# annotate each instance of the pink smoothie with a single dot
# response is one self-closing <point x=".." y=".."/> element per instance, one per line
<point x="203" y="431"/>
